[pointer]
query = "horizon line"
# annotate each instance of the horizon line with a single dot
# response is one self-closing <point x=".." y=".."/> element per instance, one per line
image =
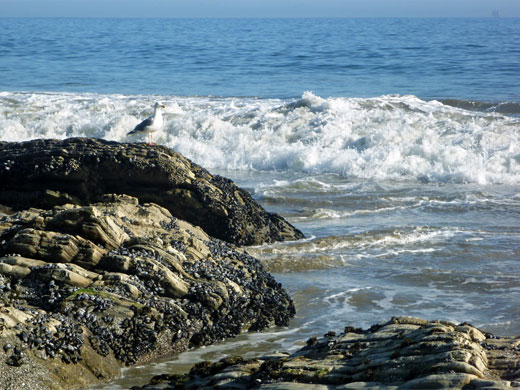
<point x="258" y="17"/>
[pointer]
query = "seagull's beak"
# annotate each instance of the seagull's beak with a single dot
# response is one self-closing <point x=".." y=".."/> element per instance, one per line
<point x="163" y="106"/>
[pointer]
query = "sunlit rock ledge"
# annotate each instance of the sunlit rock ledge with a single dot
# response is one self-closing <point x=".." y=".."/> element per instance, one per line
<point x="404" y="353"/>
<point x="88" y="289"/>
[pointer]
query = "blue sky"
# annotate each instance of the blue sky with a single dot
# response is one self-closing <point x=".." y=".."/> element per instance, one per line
<point x="259" y="8"/>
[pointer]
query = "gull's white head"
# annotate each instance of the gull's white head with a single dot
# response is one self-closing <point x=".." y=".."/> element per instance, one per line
<point x="159" y="105"/>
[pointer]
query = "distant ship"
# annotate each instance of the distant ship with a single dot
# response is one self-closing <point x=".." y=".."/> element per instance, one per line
<point x="495" y="13"/>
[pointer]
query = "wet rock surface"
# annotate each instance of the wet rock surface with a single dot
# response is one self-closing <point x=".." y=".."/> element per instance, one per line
<point x="85" y="290"/>
<point x="405" y="353"/>
<point x="46" y="173"/>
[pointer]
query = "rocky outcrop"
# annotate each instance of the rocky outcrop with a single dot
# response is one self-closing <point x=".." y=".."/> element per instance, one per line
<point x="87" y="289"/>
<point x="46" y="173"/>
<point x="405" y="353"/>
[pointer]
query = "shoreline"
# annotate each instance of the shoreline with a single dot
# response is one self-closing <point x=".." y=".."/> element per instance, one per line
<point x="403" y="353"/>
<point x="95" y="276"/>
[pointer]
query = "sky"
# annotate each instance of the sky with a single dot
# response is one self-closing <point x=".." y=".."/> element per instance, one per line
<point x="258" y="8"/>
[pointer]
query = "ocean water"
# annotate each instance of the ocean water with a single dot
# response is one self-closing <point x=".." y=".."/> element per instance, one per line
<point x="469" y="59"/>
<point x="393" y="144"/>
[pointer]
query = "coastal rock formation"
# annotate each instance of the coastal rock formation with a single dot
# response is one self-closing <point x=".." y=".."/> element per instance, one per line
<point x="87" y="289"/>
<point x="46" y="173"/>
<point x="404" y="353"/>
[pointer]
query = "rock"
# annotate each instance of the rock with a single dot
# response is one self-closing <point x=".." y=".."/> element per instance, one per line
<point x="15" y="271"/>
<point x="21" y="261"/>
<point x="72" y="275"/>
<point x="119" y="279"/>
<point x="89" y="288"/>
<point x="404" y="353"/>
<point x="46" y="173"/>
<point x="50" y="246"/>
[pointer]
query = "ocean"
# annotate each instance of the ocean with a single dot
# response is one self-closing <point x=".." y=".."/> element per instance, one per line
<point x="393" y="144"/>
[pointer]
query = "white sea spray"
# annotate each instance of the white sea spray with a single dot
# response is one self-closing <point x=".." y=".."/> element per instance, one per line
<point x="383" y="138"/>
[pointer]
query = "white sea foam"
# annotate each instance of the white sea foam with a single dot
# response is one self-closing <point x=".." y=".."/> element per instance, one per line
<point x="328" y="251"/>
<point x="322" y="213"/>
<point x="388" y="137"/>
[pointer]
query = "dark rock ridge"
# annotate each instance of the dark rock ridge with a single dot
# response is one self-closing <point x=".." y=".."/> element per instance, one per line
<point x="405" y="353"/>
<point x="46" y="173"/>
<point x="87" y="289"/>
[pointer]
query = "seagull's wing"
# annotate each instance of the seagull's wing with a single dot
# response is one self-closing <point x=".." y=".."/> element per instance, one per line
<point x="141" y="126"/>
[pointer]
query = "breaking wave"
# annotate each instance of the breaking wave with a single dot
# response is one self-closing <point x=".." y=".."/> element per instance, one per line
<point x="389" y="137"/>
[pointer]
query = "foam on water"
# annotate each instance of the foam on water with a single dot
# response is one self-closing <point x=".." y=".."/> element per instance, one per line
<point x="384" y="138"/>
<point x="348" y="250"/>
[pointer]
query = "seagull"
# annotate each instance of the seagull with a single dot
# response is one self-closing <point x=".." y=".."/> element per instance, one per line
<point x="151" y="124"/>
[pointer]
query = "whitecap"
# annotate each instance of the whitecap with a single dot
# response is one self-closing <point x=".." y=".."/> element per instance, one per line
<point x="389" y="137"/>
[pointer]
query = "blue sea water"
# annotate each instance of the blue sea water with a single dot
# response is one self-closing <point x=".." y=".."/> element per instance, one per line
<point x="393" y="144"/>
<point x="468" y="59"/>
